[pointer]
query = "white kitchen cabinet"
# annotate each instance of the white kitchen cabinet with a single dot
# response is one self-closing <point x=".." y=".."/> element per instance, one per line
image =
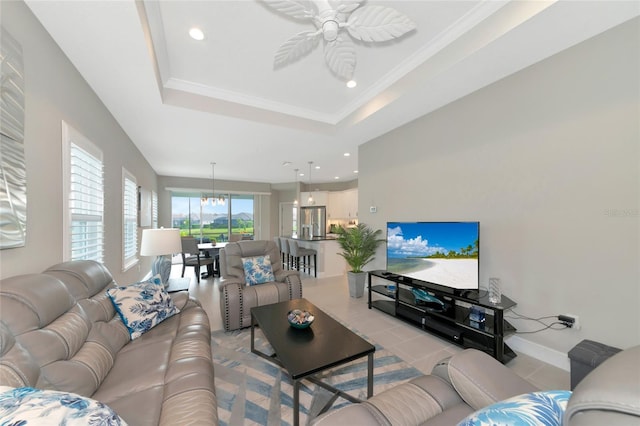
<point x="343" y="205"/>
<point x="335" y="206"/>
<point x="350" y="203"/>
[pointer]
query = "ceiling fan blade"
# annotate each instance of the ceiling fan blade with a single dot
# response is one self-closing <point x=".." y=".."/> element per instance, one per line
<point x="340" y="56"/>
<point x="345" y="6"/>
<point x="296" y="47"/>
<point x="299" y="9"/>
<point x="378" y="23"/>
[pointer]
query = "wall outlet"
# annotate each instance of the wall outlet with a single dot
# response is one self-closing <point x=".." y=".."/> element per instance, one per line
<point x="574" y="320"/>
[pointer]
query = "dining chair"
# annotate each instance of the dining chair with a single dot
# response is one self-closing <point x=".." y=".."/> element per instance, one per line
<point x="191" y="256"/>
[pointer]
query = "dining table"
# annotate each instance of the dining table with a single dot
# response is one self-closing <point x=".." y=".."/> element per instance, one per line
<point x="211" y="250"/>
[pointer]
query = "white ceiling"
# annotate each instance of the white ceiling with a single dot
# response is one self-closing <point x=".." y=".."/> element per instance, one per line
<point x="186" y="103"/>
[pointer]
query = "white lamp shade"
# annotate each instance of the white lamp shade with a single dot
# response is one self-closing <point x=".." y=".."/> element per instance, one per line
<point x="159" y="242"/>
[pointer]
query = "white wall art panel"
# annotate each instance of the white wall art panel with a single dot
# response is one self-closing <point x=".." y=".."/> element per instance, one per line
<point x="13" y="176"/>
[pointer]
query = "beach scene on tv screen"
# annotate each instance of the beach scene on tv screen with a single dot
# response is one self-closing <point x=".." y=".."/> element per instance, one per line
<point x="444" y="253"/>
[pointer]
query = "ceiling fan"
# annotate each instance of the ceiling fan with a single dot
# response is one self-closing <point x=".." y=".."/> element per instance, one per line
<point x="369" y="23"/>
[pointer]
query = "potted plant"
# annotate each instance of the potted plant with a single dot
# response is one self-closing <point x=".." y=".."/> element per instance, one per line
<point x="358" y="245"/>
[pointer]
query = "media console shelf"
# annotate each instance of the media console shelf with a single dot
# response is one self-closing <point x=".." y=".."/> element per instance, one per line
<point x="484" y="328"/>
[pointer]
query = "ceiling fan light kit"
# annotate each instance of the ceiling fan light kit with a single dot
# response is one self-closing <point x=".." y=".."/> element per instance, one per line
<point x="369" y="24"/>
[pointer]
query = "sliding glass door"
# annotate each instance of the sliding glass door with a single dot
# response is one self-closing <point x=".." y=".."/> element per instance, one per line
<point x="228" y="216"/>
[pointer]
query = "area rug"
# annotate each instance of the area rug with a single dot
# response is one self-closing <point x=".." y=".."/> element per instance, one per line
<point x="252" y="391"/>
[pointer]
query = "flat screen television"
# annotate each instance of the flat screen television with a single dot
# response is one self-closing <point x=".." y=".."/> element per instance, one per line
<point x="441" y="253"/>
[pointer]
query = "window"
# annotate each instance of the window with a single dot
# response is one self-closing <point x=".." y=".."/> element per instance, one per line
<point x="154" y="209"/>
<point x="129" y="220"/>
<point x="83" y="197"/>
<point x="195" y="215"/>
<point x="242" y="216"/>
<point x="294" y="221"/>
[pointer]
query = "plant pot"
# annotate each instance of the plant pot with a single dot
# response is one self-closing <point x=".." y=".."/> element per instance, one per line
<point x="356" y="283"/>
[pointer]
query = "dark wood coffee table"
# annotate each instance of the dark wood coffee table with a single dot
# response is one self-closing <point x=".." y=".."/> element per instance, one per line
<point x="303" y="353"/>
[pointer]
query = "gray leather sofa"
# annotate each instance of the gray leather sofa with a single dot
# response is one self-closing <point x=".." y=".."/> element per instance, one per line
<point x="237" y="298"/>
<point x="60" y="331"/>
<point x="472" y="380"/>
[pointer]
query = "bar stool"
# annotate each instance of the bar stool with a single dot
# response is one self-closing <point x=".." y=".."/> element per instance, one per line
<point x="286" y="255"/>
<point x="298" y="252"/>
<point x="279" y="245"/>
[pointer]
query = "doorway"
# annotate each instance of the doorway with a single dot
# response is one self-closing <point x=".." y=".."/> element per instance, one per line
<point x="288" y="219"/>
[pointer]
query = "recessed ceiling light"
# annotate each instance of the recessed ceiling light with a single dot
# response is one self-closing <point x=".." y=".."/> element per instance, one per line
<point x="196" y="34"/>
<point x="351" y="84"/>
<point x="337" y="177"/>
<point x="355" y="171"/>
<point x="317" y="167"/>
<point x="346" y="154"/>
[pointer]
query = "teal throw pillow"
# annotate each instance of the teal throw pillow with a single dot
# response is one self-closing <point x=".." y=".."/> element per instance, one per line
<point x="26" y="406"/>
<point x="142" y="306"/>
<point x="531" y="409"/>
<point x="257" y="270"/>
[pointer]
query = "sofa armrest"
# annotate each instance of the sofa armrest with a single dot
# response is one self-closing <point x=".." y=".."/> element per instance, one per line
<point x="182" y="299"/>
<point x="230" y="281"/>
<point x="282" y="274"/>
<point x="292" y="279"/>
<point x="355" y="414"/>
<point x="481" y="380"/>
<point x="610" y="394"/>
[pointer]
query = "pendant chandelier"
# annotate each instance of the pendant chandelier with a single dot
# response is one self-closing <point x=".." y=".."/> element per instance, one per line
<point x="215" y="201"/>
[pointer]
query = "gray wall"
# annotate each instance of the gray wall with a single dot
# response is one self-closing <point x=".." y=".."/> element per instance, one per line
<point x="548" y="161"/>
<point x="55" y="91"/>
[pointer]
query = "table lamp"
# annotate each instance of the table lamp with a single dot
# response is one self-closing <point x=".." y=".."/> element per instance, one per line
<point x="161" y="242"/>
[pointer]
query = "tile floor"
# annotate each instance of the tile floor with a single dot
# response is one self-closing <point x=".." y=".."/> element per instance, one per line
<point x="419" y="348"/>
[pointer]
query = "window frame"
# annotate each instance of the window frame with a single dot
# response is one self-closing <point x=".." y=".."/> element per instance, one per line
<point x="154" y="209"/>
<point x="129" y="217"/>
<point x="70" y="138"/>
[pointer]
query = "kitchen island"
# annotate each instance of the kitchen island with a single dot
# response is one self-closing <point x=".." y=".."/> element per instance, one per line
<point x="330" y="264"/>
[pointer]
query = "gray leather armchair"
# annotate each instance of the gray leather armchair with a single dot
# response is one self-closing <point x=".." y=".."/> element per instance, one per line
<point x="472" y="380"/>
<point x="237" y="298"/>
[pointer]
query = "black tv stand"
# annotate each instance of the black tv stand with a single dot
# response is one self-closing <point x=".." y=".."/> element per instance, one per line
<point x="449" y="319"/>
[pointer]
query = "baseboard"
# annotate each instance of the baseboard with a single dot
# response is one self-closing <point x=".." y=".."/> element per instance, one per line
<point x="538" y="351"/>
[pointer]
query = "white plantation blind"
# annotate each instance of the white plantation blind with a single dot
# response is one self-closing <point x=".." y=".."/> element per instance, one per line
<point x="86" y="204"/>
<point x="154" y="209"/>
<point x="129" y="220"/>
<point x="83" y="197"/>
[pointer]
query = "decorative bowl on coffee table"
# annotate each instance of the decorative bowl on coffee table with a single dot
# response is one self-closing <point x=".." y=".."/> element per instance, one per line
<point x="300" y="319"/>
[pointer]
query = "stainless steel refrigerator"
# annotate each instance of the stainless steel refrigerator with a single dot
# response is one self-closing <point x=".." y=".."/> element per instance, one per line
<point x="313" y="222"/>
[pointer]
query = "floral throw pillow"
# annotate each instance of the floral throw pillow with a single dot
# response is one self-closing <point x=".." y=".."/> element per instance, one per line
<point x="142" y="306"/>
<point x="156" y="279"/>
<point x="531" y="409"/>
<point x="257" y="270"/>
<point x="26" y="406"/>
